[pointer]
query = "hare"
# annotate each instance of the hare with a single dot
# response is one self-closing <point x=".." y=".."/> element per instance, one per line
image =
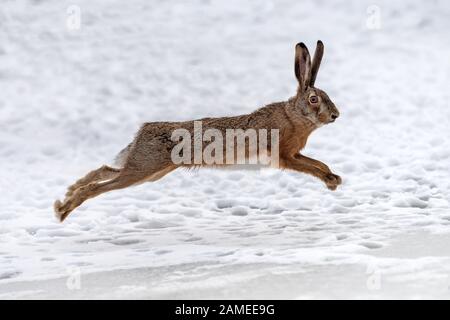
<point x="149" y="156"/>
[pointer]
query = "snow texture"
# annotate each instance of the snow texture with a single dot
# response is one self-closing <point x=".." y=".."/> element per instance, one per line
<point x="72" y="99"/>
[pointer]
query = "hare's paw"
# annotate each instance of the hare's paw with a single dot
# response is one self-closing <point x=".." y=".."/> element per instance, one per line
<point x="62" y="210"/>
<point x="57" y="206"/>
<point x="332" y="181"/>
<point x="337" y="178"/>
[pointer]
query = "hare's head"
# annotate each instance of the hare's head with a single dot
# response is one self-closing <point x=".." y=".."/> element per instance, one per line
<point x="311" y="102"/>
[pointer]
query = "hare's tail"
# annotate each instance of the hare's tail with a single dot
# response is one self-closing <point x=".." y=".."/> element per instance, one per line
<point x="122" y="156"/>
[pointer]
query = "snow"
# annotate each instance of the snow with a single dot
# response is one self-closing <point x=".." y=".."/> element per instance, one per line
<point x="71" y="99"/>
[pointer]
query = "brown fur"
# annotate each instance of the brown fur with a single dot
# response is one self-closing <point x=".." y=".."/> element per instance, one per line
<point x="148" y="157"/>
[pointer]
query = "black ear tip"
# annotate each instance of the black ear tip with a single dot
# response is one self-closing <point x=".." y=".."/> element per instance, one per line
<point x="319" y="42"/>
<point x="301" y="44"/>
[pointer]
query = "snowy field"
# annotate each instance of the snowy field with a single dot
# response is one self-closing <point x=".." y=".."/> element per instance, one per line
<point x="70" y="99"/>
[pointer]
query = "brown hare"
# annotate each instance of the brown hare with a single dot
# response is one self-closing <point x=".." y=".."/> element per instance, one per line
<point x="150" y="156"/>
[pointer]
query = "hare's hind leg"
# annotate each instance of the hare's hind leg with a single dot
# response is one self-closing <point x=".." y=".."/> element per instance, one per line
<point x="124" y="179"/>
<point x="100" y="174"/>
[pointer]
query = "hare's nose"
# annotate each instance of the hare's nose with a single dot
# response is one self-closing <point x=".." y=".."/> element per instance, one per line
<point x="334" y="116"/>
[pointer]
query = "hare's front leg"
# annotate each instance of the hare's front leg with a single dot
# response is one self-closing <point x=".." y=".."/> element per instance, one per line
<point x="320" y="165"/>
<point x="312" y="167"/>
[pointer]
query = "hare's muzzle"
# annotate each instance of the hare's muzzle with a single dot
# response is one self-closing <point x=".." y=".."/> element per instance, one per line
<point x="334" y="116"/>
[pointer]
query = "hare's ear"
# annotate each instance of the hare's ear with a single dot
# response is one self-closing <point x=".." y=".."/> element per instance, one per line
<point x="318" y="54"/>
<point x="302" y="66"/>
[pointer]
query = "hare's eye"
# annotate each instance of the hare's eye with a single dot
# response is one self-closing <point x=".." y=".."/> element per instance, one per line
<point x="314" y="99"/>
